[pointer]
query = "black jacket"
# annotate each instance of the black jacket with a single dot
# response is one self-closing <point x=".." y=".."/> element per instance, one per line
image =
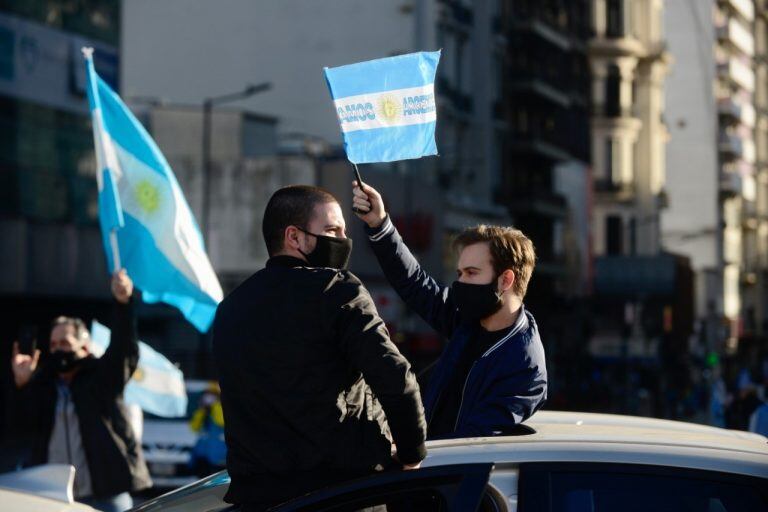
<point x="114" y="457"/>
<point x="311" y="384"/>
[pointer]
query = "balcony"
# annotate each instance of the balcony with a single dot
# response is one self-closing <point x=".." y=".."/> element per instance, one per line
<point x="734" y="33"/>
<point x="731" y="146"/>
<point x="744" y="8"/>
<point x="614" y="191"/>
<point x="737" y="146"/>
<point x="730" y="184"/>
<point x="737" y="111"/>
<point x="635" y="275"/>
<point x="738" y="73"/>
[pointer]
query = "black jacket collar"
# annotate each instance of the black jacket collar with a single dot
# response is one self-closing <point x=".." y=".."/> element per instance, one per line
<point x="285" y="261"/>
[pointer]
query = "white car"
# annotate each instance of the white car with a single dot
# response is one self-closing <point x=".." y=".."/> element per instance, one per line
<point x="557" y="462"/>
<point x="47" y="488"/>
<point x="167" y="442"/>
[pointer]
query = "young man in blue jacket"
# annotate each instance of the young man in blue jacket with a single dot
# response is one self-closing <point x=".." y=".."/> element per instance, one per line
<point x="492" y="374"/>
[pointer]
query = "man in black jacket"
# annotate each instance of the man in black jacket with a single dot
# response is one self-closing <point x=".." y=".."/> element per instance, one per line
<point x="313" y="390"/>
<point x="70" y="409"/>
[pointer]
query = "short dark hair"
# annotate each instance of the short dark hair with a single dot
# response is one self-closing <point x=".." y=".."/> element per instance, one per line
<point x="290" y="206"/>
<point x="510" y="249"/>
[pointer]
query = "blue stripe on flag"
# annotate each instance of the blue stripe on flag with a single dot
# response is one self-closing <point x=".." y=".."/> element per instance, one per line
<point x="390" y="144"/>
<point x="382" y="74"/>
<point x="146" y="263"/>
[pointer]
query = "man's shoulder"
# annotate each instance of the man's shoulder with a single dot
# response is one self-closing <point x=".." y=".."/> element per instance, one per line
<point x="271" y="282"/>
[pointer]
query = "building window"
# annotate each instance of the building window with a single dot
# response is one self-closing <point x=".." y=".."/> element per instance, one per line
<point x="612" y="106"/>
<point x="610" y="169"/>
<point x="614" y="235"/>
<point x="615" y="19"/>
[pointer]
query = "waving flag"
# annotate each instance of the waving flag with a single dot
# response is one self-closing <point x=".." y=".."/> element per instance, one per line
<point x="386" y="107"/>
<point x="157" y="386"/>
<point x="146" y="223"/>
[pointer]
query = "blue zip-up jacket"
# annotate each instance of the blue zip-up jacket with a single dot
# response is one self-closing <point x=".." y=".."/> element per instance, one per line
<point x="506" y="385"/>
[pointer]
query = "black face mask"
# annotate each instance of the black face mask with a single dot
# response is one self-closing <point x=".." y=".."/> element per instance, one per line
<point x="476" y="301"/>
<point x="329" y="252"/>
<point x="65" y="361"/>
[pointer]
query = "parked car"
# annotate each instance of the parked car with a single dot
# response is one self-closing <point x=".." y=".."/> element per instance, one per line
<point x="556" y="462"/>
<point x="47" y="488"/>
<point x="168" y="442"/>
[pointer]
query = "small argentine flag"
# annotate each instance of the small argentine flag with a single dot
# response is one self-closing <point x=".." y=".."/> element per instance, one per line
<point x="386" y="107"/>
<point x="157" y="386"/>
<point x="146" y="223"/>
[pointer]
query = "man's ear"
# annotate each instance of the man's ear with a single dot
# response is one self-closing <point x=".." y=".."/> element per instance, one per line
<point x="507" y="280"/>
<point x="291" y="238"/>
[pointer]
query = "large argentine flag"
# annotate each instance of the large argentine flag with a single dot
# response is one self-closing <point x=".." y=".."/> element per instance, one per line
<point x="140" y="200"/>
<point x="386" y="107"/>
<point x="157" y="386"/>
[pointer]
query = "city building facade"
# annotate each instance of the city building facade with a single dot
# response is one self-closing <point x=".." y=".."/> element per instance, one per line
<point x="718" y="91"/>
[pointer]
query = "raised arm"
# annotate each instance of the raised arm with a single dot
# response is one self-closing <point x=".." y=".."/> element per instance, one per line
<point x="122" y="356"/>
<point x="422" y="293"/>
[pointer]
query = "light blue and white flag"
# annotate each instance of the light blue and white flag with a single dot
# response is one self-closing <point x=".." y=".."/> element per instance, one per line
<point x="386" y="107"/>
<point x="156" y="386"/>
<point x="146" y="223"/>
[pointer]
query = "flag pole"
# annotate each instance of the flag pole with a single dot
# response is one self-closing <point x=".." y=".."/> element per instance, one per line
<point x="116" y="264"/>
<point x="359" y="184"/>
<point x="357" y="177"/>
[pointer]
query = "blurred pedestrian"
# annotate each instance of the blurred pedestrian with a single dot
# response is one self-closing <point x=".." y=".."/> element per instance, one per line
<point x="314" y="392"/>
<point x="492" y="375"/>
<point x="210" y="451"/>
<point x="746" y="402"/>
<point x="69" y="407"/>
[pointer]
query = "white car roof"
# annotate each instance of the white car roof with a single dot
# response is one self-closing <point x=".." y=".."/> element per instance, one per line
<point x="583" y="437"/>
<point x="590" y="419"/>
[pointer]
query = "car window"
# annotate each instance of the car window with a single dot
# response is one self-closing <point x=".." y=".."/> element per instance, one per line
<point x="450" y="488"/>
<point x="409" y="501"/>
<point x="635" y="489"/>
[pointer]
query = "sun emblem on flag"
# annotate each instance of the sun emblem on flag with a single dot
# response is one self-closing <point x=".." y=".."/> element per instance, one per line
<point x="148" y="196"/>
<point x="389" y="109"/>
<point x="138" y="375"/>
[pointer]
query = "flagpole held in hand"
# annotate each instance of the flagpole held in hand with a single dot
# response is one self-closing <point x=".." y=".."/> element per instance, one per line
<point x="359" y="184"/>
<point x="116" y="265"/>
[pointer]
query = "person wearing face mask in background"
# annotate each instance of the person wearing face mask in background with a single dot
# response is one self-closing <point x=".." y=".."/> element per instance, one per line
<point x="313" y="390"/>
<point x="210" y="451"/>
<point x="492" y="374"/>
<point x="69" y="408"/>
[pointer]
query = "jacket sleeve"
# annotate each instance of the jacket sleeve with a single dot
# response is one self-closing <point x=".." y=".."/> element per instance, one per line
<point x="121" y="358"/>
<point x="364" y="340"/>
<point x="24" y="404"/>
<point x="428" y="298"/>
